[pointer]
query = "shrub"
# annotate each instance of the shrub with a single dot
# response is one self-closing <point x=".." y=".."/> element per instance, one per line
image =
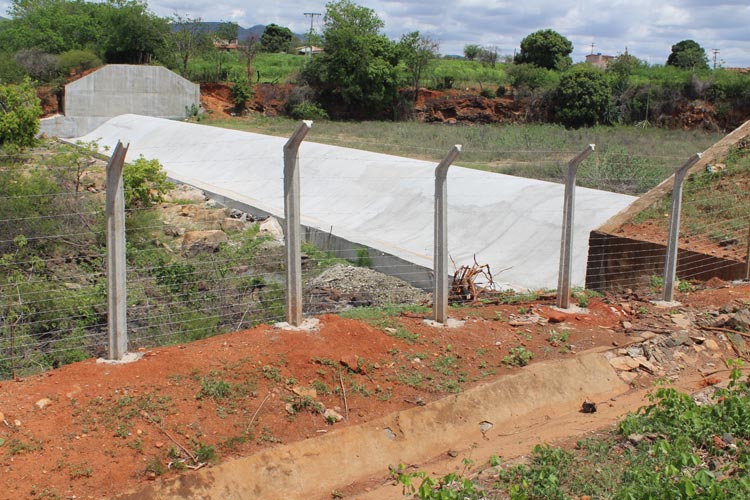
<point x="19" y="114"/>
<point x="77" y="61"/>
<point x="308" y="111"/>
<point x="241" y="94"/>
<point x="531" y="77"/>
<point x="488" y="93"/>
<point x="145" y="183"/>
<point x="582" y="98"/>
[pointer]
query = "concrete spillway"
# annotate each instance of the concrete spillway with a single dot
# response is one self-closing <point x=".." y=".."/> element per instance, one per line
<point x="379" y="201"/>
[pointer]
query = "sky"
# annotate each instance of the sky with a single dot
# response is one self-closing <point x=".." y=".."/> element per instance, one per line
<point x="646" y="28"/>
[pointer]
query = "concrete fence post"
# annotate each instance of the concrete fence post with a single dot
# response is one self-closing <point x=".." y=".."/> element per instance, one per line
<point x="670" y="264"/>
<point x="747" y="257"/>
<point x="292" y="224"/>
<point x="116" y="263"/>
<point x="440" y="256"/>
<point x="566" y="242"/>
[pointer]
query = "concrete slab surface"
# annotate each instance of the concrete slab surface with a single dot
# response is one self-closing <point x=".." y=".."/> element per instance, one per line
<point x="379" y="201"/>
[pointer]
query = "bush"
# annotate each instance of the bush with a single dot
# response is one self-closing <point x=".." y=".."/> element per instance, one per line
<point x="19" y="115"/>
<point x="488" y="93"/>
<point x="531" y="77"/>
<point x="37" y="64"/>
<point x="77" y="61"/>
<point x="145" y="183"/>
<point x="308" y="111"/>
<point x="241" y="94"/>
<point x="582" y="98"/>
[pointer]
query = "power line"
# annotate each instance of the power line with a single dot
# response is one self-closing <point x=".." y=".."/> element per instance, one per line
<point x="309" y="37"/>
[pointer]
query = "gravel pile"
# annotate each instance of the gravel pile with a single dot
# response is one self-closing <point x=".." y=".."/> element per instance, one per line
<point x="368" y="286"/>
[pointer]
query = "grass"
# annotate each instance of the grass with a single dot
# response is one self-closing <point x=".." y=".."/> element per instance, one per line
<point x="626" y="159"/>
<point x="384" y="318"/>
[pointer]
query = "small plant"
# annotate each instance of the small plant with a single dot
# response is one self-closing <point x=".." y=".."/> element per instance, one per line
<point x="684" y="286"/>
<point x="272" y="373"/>
<point x="363" y="257"/>
<point x="216" y="389"/>
<point x="155" y="467"/>
<point x="205" y="453"/>
<point x="519" y="356"/>
<point x="557" y="339"/>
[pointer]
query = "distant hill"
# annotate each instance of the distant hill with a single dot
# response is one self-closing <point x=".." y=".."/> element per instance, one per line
<point x="244" y="33"/>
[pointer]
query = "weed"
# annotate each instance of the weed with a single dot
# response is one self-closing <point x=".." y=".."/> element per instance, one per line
<point x="557" y="339"/>
<point x="216" y="389"/>
<point x="155" y="467"/>
<point x="80" y="470"/>
<point x="272" y="373"/>
<point x="320" y="387"/>
<point x="266" y="436"/>
<point x="205" y="453"/>
<point x="519" y="356"/>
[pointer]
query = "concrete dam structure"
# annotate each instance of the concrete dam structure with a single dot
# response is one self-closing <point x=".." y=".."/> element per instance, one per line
<point x="353" y="199"/>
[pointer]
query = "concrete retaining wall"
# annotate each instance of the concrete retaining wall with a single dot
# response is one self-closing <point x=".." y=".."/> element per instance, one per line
<point x="616" y="262"/>
<point x="118" y="89"/>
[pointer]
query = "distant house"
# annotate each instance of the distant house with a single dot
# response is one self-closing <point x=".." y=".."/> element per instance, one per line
<point x="227" y="46"/>
<point x="303" y="51"/>
<point x="599" y="60"/>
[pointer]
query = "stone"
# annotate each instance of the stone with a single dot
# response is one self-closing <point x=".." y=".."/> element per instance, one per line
<point x="196" y="242"/>
<point x="271" y="227"/>
<point x="740" y="320"/>
<point x="350" y="361"/>
<point x="17" y="423"/>
<point x="332" y="416"/>
<point x="556" y="316"/>
<point x="230" y="225"/>
<point x="628" y="377"/>
<point x="43" y="403"/>
<point x="680" y="320"/>
<point x="646" y="365"/>
<point x="184" y="193"/>
<point x="635" y="439"/>
<point x="206" y="218"/>
<point x="627" y="325"/>
<point x="2" y="417"/>
<point x="721" y="320"/>
<point x="624" y="363"/>
<point x="647" y="335"/>
<point x="711" y="344"/>
<point x="304" y="392"/>
<point x="635" y="351"/>
<point x="159" y="444"/>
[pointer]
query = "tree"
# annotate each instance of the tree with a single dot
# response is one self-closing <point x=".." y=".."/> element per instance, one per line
<point x="188" y="38"/>
<point x="132" y="34"/>
<point x="19" y="114"/>
<point x="276" y="39"/>
<point x="471" y="52"/>
<point x="582" y="97"/>
<point x="416" y="52"/>
<point x="488" y="56"/>
<point x="359" y="64"/>
<point x="687" y="54"/>
<point x="546" y="49"/>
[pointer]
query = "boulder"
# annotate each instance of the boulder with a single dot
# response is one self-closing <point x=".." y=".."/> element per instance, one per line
<point x="196" y="242"/>
<point x="271" y="227"/>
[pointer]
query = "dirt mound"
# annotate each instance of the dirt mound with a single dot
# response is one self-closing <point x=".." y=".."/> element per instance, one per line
<point x="216" y="99"/>
<point x="436" y="106"/>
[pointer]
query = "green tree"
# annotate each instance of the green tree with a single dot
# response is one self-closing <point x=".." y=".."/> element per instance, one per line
<point x="133" y="34"/>
<point x="547" y="49"/>
<point x="359" y="65"/>
<point x="276" y="39"/>
<point x="19" y="114"/>
<point x="188" y="38"/>
<point x="416" y="51"/>
<point x="471" y="52"/>
<point x="687" y="54"/>
<point x="582" y="97"/>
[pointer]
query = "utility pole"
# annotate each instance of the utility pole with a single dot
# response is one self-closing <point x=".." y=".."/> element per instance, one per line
<point x="716" y="53"/>
<point x="592" y="47"/>
<point x="309" y="36"/>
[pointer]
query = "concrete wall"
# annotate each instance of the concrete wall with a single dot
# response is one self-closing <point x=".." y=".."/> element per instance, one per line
<point x="118" y="89"/>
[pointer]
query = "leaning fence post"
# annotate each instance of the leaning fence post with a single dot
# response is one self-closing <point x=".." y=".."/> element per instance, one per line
<point x="670" y="265"/>
<point x="566" y="242"/>
<point x="292" y="224"/>
<point x="116" y="288"/>
<point x="440" y="256"/>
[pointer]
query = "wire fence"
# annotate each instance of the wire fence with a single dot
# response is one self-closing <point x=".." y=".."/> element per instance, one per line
<point x="195" y="270"/>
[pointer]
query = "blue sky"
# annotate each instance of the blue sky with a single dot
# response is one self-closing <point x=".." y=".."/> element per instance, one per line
<point x="648" y="28"/>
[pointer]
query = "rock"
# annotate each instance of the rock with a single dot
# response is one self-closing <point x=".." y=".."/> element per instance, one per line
<point x="698" y="339"/>
<point x="17" y="423"/>
<point x="624" y="363"/>
<point x="627" y="325"/>
<point x="645" y="365"/>
<point x="634" y="351"/>
<point x="43" y="403"/>
<point x="332" y="416"/>
<point x="303" y="392"/>
<point x="721" y="320"/>
<point x="588" y="407"/>
<point x="680" y="320"/>
<point x="350" y="361"/>
<point x="2" y="417"/>
<point x="711" y="344"/>
<point x="271" y="227"/>
<point x="635" y="439"/>
<point x="556" y="316"/>
<point x="196" y="242"/>
<point x="184" y="193"/>
<point x="452" y="453"/>
<point x="678" y="338"/>
<point x="628" y="377"/>
<point x="233" y="225"/>
<point x="206" y="218"/>
<point x="740" y="320"/>
<point x="159" y="444"/>
<point x="647" y="335"/>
